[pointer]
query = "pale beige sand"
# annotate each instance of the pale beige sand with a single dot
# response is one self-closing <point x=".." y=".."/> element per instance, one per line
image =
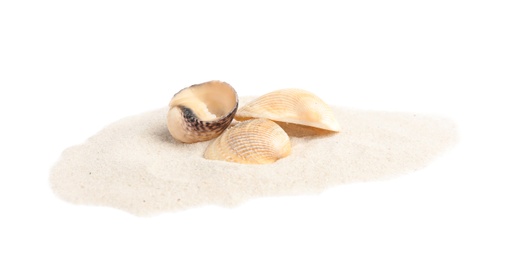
<point x="135" y="165"/>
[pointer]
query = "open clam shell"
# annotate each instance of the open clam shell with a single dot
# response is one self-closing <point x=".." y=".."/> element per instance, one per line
<point x="202" y="112"/>
<point x="294" y="106"/>
<point x="257" y="141"/>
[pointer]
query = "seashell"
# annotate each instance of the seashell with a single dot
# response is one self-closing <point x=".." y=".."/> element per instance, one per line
<point x="257" y="141"/>
<point x="202" y="112"/>
<point x="294" y="106"/>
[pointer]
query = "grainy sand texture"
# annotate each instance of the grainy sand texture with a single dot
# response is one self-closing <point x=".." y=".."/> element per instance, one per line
<point x="135" y="165"/>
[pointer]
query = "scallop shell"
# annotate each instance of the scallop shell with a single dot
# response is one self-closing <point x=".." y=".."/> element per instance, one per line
<point x="257" y="141"/>
<point x="202" y="112"/>
<point x="294" y="106"/>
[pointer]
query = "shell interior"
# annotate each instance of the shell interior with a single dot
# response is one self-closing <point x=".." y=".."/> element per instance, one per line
<point x="208" y="100"/>
<point x="202" y="111"/>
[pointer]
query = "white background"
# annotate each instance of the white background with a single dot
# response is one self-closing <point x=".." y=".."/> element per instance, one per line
<point x="69" y="68"/>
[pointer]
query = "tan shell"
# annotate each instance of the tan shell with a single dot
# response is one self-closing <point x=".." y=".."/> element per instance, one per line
<point x="294" y="106"/>
<point x="202" y="112"/>
<point x="257" y="141"/>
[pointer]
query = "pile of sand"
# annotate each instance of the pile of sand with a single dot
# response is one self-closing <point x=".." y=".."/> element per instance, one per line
<point x="135" y="165"/>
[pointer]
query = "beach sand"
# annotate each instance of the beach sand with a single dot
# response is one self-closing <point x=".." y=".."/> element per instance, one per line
<point x="135" y="165"/>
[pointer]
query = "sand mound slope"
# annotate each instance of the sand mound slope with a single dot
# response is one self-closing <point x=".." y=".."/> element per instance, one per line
<point x="135" y="165"/>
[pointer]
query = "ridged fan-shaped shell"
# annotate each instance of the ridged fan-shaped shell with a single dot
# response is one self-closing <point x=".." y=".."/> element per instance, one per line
<point x="257" y="141"/>
<point x="202" y="112"/>
<point x="294" y="106"/>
